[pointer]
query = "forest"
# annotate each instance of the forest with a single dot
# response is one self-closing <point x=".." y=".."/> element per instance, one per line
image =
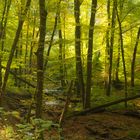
<point x="69" y="70"/>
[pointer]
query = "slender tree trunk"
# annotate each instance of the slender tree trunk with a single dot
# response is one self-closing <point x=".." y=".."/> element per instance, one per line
<point x="17" y="56"/>
<point x="52" y="36"/>
<point x="108" y="90"/>
<point x="89" y="54"/>
<point x="26" y="49"/>
<point x="134" y="58"/>
<point x="64" y="48"/>
<point x="107" y="45"/>
<point x="3" y="25"/>
<point x="61" y="55"/>
<point x="120" y="4"/>
<point x="79" y="68"/>
<point x="40" y="58"/>
<point x="34" y="36"/>
<point x="16" y="69"/>
<point x="118" y="64"/>
<point x="20" y="55"/>
<point x="122" y="52"/>
<point x="5" y="22"/>
<point x="20" y="24"/>
<point x="1" y="32"/>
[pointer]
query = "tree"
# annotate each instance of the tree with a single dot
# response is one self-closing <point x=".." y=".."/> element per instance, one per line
<point x="40" y="58"/>
<point x="122" y="52"/>
<point x="120" y="7"/>
<point x="3" y="25"/>
<point x="53" y="34"/>
<point x="111" y="44"/>
<point x="107" y="46"/>
<point x="134" y="58"/>
<point x="79" y="68"/>
<point x="61" y="59"/>
<point x="89" y="54"/>
<point x="14" y="45"/>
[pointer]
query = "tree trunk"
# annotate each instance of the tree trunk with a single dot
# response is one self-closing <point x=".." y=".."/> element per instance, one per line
<point x="89" y="54"/>
<point x="61" y="55"/>
<point x="40" y="58"/>
<point x="118" y="64"/>
<point x="108" y="90"/>
<point x="16" y="69"/>
<point x="120" y="4"/>
<point x="52" y="36"/>
<point x="34" y="36"/>
<point x="20" y="54"/>
<point x="4" y="20"/>
<point x="26" y="50"/>
<point x="79" y="68"/>
<point x="122" y="52"/>
<point x="20" y="24"/>
<point x="134" y="58"/>
<point x="3" y="25"/>
<point x="107" y="45"/>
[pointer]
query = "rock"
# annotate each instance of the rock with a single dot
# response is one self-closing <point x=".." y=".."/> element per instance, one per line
<point x="52" y="103"/>
<point x="55" y="91"/>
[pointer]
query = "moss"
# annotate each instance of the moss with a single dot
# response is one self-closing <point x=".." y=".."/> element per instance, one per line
<point x="133" y="134"/>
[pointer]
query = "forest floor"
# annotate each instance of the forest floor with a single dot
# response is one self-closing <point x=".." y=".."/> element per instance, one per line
<point x="97" y="126"/>
<point x="106" y="125"/>
<point x="102" y="126"/>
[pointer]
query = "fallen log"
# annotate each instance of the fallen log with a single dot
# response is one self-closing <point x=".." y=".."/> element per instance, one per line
<point x="19" y="78"/>
<point x="102" y="107"/>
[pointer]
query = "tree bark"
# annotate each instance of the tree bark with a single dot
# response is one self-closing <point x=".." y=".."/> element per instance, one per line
<point x="79" y="68"/>
<point x="52" y="36"/>
<point x="61" y="59"/>
<point x="89" y="54"/>
<point x="109" y="83"/>
<point x="134" y="58"/>
<point x="122" y="52"/>
<point x="26" y="50"/>
<point x="34" y="36"/>
<point x="107" y="45"/>
<point x="118" y="64"/>
<point x="40" y="58"/>
<point x="120" y="6"/>
<point x="3" y="25"/>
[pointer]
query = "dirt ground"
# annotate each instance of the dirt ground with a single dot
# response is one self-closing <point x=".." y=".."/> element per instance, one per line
<point x="102" y="126"/>
<point x="106" y="125"/>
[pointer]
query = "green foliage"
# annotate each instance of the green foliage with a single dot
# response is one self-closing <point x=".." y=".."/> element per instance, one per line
<point x="8" y="133"/>
<point x="24" y="61"/>
<point x="32" y="131"/>
<point x="99" y="98"/>
<point x="134" y="134"/>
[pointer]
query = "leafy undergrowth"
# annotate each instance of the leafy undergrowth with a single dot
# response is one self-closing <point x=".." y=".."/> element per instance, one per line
<point x="98" y="126"/>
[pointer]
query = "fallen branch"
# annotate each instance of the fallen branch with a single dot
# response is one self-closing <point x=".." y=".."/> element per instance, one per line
<point x="102" y="107"/>
<point x="66" y="104"/>
<point x="19" y="78"/>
